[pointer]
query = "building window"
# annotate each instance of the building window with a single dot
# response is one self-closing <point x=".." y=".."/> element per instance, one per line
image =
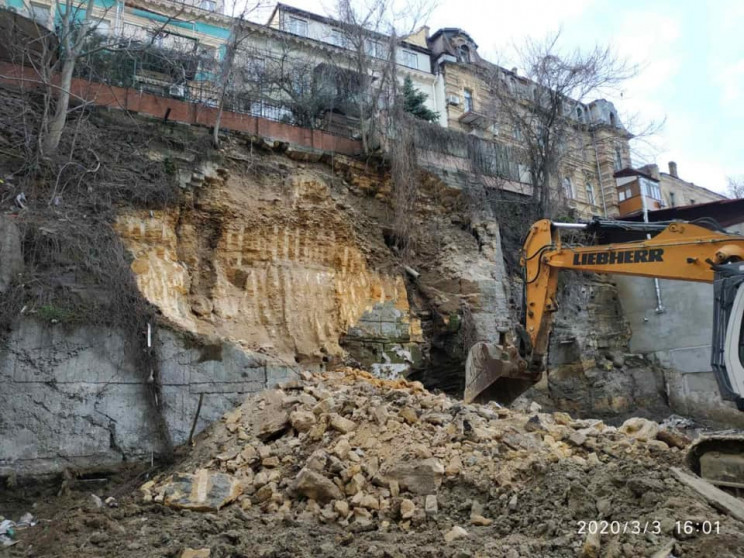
<point x="650" y="190"/>
<point x="408" y="58"/>
<point x="568" y="188"/>
<point x="297" y="26"/>
<point x="464" y="53"/>
<point x="590" y="194"/>
<point x="468" y="96"/>
<point x="255" y="67"/>
<point x="580" y="115"/>
<point x="338" y="38"/>
<point x="612" y="119"/>
<point x="624" y="194"/>
<point x="210" y="5"/>
<point x="40" y="14"/>
<point x="671" y="199"/>
<point x="618" y="159"/>
<point x="375" y="48"/>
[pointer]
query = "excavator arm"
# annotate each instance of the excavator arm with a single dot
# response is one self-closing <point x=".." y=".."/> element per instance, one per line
<point x="681" y="250"/>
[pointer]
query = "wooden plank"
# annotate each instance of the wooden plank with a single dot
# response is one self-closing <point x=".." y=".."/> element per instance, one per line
<point x="715" y="496"/>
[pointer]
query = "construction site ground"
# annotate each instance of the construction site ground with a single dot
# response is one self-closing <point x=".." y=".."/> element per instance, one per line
<point x="345" y="464"/>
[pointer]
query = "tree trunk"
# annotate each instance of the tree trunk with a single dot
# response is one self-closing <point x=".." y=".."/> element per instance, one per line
<point x="217" y="121"/>
<point x="227" y="66"/>
<point x="59" y="118"/>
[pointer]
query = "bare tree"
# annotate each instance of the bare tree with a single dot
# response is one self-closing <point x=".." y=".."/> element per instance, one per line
<point x="544" y="111"/>
<point x="240" y="32"/>
<point x="372" y="32"/>
<point x="736" y="187"/>
<point x="78" y="34"/>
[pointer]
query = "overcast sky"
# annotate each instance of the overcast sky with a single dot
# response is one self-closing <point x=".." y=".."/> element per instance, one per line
<point x="691" y="54"/>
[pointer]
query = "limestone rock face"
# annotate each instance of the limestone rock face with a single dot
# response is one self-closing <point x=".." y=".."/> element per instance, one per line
<point x="267" y="266"/>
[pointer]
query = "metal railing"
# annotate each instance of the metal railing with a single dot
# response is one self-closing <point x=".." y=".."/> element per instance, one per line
<point x="191" y="78"/>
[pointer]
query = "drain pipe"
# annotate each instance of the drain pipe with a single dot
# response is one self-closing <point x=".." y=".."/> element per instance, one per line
<point x="599" y="173"/>
<point x="657" y="286"/>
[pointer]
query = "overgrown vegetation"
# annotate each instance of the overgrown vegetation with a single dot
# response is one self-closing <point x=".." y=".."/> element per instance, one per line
<point x="75" y="268"/>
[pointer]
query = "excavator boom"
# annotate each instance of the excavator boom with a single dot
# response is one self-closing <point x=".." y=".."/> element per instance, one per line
<point x="679" y="250"/>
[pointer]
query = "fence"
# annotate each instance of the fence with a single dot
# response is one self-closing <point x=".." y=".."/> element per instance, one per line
<point x="139" y="101"/>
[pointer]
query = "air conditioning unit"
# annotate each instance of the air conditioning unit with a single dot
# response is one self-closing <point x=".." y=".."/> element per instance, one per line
<point x="453" y="100"/>
<point x="178" y="91"/>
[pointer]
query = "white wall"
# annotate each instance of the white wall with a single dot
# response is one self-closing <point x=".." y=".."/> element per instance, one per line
<point x="679" y="339"/>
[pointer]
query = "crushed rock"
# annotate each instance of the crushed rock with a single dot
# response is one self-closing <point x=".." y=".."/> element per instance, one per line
<point x="368" y="454"/>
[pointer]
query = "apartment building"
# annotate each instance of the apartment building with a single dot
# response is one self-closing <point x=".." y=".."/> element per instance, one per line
<point x="597" y="147"/>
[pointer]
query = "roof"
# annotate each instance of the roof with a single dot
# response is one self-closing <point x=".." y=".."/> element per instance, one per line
<point x="727" y="212"/>
<point x="692" y="184"/>
<point x="453" y="31"/>
<point x="633" y="172"/>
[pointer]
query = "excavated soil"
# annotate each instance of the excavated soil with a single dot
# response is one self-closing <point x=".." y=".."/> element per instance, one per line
<point x="343" y="464"/>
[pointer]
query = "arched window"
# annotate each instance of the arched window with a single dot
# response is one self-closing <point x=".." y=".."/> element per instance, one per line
<point x="612" y="119"/>
<point x="590" y="194"/>
<point x="580" y="114"/>
<point x="568" y="188"/>
<point x="618" y="158"/>
<point x="464" y="53"/>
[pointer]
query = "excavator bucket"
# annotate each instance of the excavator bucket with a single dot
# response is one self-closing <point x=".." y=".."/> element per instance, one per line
<point x="496" y="372"/>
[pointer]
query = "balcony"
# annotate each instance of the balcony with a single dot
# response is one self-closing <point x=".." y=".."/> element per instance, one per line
<point x="475" y="119"/>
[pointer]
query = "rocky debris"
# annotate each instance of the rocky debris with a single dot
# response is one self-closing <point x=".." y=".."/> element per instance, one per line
<point x="419" y="477"/>
<point x="431" y="506"/>
<point x="640" y="428"/>
<point x="202" y="491"/>
<point x="315" y="486"/>
<point x="591" y="546"/>
<point x="455" y="533"/>
<point x="196" y="553"/>
<point x="673" y="438"/>
<point x="364" y="454"/>
<point x="407" y="508"/>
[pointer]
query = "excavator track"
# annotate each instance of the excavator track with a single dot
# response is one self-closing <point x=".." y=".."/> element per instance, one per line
<point x="719" y="459"/>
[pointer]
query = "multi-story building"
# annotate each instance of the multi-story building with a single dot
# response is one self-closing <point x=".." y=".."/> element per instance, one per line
<point x="647" y="189"/>
<point x="189" y="22"/>
<point x="413" y="57"/>
<point x="292" y="67"/>
<point x="173" y="41"/>
<point x="598" y="145"/>
<point x="676" y="192"/>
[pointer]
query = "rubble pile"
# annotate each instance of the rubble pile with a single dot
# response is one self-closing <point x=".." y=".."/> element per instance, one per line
<point x="367" y="454"/>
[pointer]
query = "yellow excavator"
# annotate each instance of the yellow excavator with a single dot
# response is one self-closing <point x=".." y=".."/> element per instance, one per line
<point x="688" y="251"/>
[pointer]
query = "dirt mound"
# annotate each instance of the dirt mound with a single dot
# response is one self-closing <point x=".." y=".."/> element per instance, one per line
<point x="349" y="453"/>
<point x="344" y="464"/>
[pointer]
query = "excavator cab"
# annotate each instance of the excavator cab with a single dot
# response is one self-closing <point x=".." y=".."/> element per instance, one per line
<point x="727" y="357"/>
<point x="688" y="251"/>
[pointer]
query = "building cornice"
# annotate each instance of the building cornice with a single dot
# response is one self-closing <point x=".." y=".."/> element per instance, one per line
<point x="174" y="9"/>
